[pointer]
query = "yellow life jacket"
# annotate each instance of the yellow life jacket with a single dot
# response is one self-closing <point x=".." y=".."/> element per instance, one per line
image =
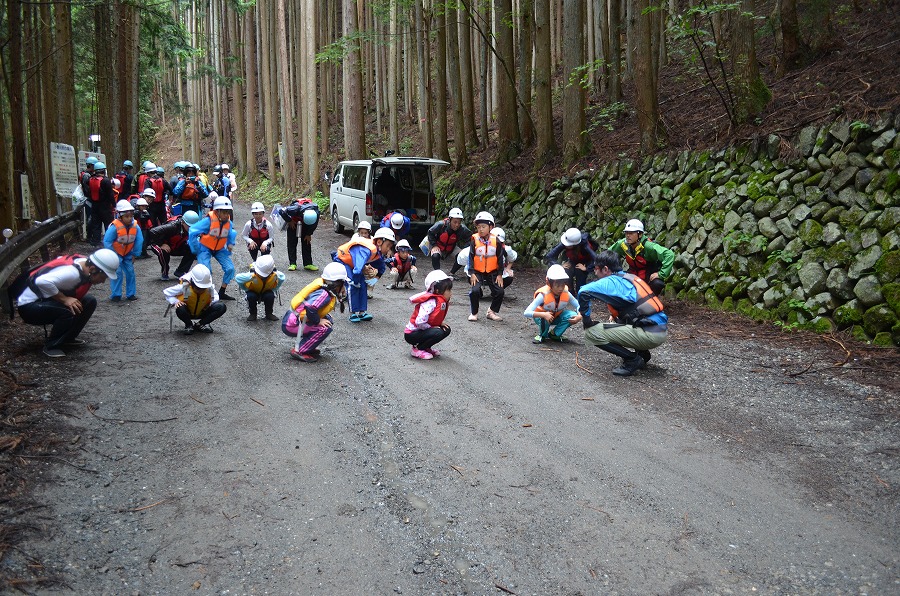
<point x="259" y="285"/>
<point x="196" y="301"/>
<point x="302" y="295"/>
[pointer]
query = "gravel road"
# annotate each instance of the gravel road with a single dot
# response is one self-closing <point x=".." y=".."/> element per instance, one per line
<point x="215" y="464"/>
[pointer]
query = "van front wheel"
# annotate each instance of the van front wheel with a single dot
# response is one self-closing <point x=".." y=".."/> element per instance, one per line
<point x="335" y="222"/>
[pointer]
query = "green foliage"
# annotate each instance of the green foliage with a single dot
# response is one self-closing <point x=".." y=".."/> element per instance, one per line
<point x="581" y="75"/>
<point x="606" y="116"/>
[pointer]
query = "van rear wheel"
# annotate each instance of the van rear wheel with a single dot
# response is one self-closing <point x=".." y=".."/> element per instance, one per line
<point x="335" y="223"/>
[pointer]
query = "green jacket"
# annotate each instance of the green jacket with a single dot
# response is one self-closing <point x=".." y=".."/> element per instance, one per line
<point x="648" y="257"/>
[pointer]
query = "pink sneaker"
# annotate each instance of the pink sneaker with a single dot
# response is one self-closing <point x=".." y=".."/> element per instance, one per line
<point x="421" y="354"/>
<point x="434" y="351"/>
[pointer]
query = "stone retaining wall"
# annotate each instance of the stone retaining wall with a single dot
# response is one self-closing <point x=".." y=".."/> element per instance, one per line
<point x="804" y="233"/>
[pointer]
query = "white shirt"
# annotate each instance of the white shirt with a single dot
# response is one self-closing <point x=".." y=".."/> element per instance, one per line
<point x="59" y="279"/>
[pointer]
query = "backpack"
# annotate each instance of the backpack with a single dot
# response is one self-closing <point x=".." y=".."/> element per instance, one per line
<point x="26" y="279"/>
<point x="159" y="186"/>
<point x="190" y="192"/>
<point x="219" y="187"/>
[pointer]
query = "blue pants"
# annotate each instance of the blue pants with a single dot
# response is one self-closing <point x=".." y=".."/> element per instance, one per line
<point x="125" y="270"/>
<point x="223" y="256"/>
<point x="559" y="324"/>
<point x="357" y="291"/>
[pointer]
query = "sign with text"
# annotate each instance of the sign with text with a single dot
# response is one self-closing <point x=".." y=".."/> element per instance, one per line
<point x="64" y="166"/>
<point x="83" y="155"/>
<point x="26" y="196"/>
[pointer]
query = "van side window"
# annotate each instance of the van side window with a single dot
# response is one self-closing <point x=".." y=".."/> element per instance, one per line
<point x="354" y="177"/>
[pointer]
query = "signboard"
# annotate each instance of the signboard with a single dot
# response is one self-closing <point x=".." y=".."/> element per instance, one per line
<point x="26" y="196"/>
<point x="83" y="155"/>
<point x="64" y="167"/>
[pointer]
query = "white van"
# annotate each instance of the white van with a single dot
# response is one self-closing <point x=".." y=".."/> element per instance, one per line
<point x="368" y="189"/>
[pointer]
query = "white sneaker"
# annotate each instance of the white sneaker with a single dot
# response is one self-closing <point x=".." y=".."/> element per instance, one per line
<point x="492" y="316"/>
<point x="473" y="317"/>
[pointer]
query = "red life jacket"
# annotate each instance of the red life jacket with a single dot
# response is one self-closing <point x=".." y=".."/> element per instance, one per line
<point x="436" y="318"/>
<point x="259" y="235"/>
<point x="121" y="178"/>
<point x="159" y="185"/>
<point x="637" y="263"/>
<point x="447" y="239"/>
<point x="80" y="290"/>
<point x="95" y="187"/>
<point x="402" y="266"/>
<point x="141" y="182"/>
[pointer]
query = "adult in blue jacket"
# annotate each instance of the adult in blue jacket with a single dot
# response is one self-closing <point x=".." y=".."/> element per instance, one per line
<point x="638" y="320"/>
<point x="190" y="190"/>
<point x="397" y="223"/>
<point x="214" y="236"/>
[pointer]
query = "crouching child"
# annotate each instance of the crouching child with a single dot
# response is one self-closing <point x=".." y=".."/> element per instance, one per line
<point x="309" y="318"/>
<point x="554" y="308"/>
<point x="196" y="299"/>
<point x="260" y="285"/>
<point x="426" y="325"/>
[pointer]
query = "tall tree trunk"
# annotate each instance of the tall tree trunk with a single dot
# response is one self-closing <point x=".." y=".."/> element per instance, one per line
<point x="543" y="93"/>
<point x="37" y="145"/>
<point x="194" y="89"/>
<point x="646" y="99"/>
<point x="484" y="62"/>
<point x="49" y="94"/>
<point x="17" y="110"/>
<point x="265" y="82"/>
<point x="354" y="121"/>
<point x="440" y="83"/>
<point x="424" y="81"/>
<point x="466" y="77"/>
<point x="65" y="73"/>
<point x="310" y="151"/>
<point x="288" y="167"/>
<point x="575" y="142"/>
<point x="7" y="206"/>
<point x="455" y="85"/>
<point x="239" y="149"/>
<point x="792" y="45"/>
<point x="615" y="51"/>
<point x="127" y="82"/>
<point x="250" y="69"/>
<point x="526" y="43"/>
<point x="392" y="90"/>
<point x="510" y="143"/>
<point x="325" y="19"/>
<point x="750" y="91"/>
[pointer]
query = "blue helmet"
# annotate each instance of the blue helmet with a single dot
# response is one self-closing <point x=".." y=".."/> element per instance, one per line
<point x="310" y="217"/>
<point x="99" y="166"/>
<point x="160" y="169"/>
<point x="127" y="164"/>
<point x="91" y="160"/>
<point x="190" y="217"/>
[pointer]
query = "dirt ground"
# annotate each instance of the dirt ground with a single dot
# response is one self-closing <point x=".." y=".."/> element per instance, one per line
<point x="147" y="462"/>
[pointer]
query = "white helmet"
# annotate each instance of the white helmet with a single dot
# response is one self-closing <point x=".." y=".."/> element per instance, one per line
<point x="571" y="237"/>
<point x="386" y="233"/>
<point x="434" y="277"/>
<point x="221" y="203"/>
<point x="500" y="233"/>
<point x="484" y="217"/>
<point x="397" y="221"/>
<point x="140" y="202"/>
<point x="264" y="265"/>
<point x="334" y="272"/>
<point x="149" y="166"/>
<point x="117" y="183"/>
<point x="456" y="212"/>
<point x="201" y="276"/>
<point x="213" y="195"/>
<point x="257" y="207"/>
<point x="403" y="244"/>
<point x="123" y="206"/>
<point x="364" y="225"/>
<point x="557" y="273"/>
<point x="634" y="225"/>
<point x="106" y="260"/>
<point x="149" y="192"/>
<point x="225" y="166"/>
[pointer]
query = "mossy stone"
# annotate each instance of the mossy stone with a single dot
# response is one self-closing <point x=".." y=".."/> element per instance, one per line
<point x="879" y="318"/>
<point x="888" y="267"/>
<point x="823" y="325"/>
<point x="848" y="314"/>
<point x="891" y="182"/>
<point x="859" y="334"/>
<point x="891" y="293"/>
<point x="883" y="339"/>
<point x="811" y="232"/>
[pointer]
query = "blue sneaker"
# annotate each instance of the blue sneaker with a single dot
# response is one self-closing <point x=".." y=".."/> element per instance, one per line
<point x="355" y="318"/>
<point x="366" y="317"/>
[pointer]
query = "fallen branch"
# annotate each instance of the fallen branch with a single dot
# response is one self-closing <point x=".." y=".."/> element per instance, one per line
<point x="606" y="513"/>
<point x="503" y="588"/>
<point x="93" y="409"/>
<point x="579" y="365"/>
<point x="151" y="505"/>
<point x="882" y="481"/>
<point x="257" y="401"/>
<point x="68" y="463"/>
<point x="457" y="468"/>
<point x="196" y="400"/>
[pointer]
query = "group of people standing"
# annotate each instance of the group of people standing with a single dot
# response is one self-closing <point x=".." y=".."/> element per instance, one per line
<point x="638" y="323"/>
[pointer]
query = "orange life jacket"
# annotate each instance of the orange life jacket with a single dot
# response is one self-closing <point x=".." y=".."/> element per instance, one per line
<point x="125" y="237"/>
<point x="552" y="302"/>
<point x="647" y="303"/>
<point x="343" y="251"/>
<point x="217" y="237"/>
<point x="485" y="254"/>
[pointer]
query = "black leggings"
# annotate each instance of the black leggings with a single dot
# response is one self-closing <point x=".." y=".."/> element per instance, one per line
<point x="490" y="280"/>
<point x="425" y="338"/>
